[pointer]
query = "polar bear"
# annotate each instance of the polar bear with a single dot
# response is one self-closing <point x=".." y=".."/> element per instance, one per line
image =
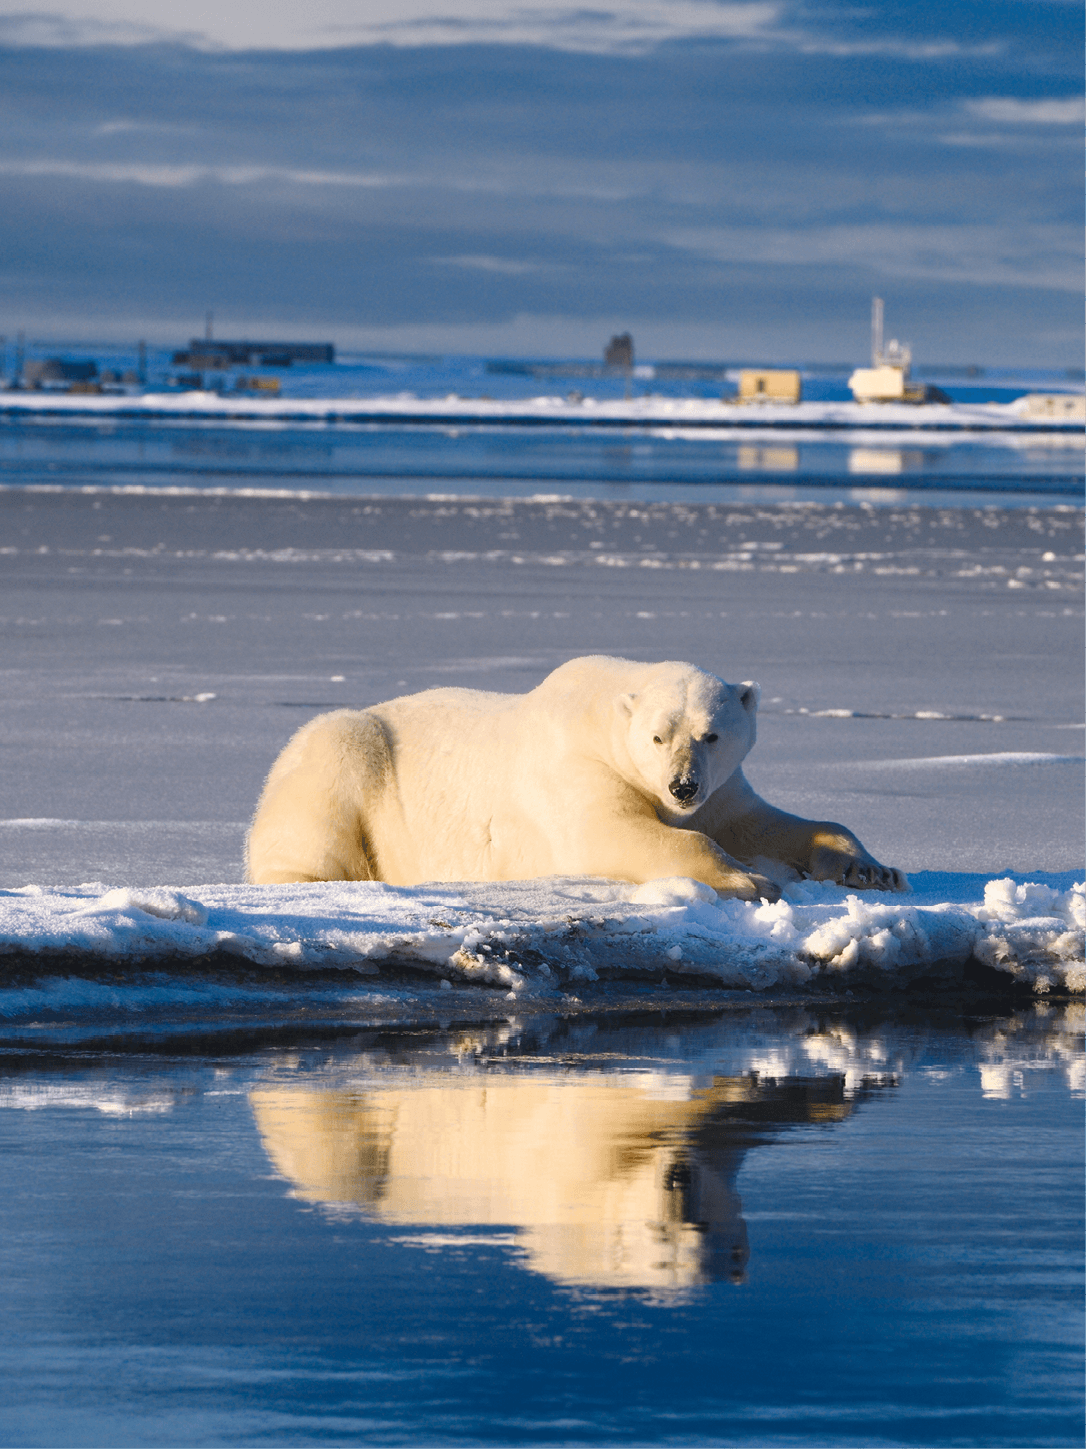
<point x="608" y="768"/>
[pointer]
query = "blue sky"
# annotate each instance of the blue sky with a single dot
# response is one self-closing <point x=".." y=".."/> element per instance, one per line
<point x="727" y="181"/>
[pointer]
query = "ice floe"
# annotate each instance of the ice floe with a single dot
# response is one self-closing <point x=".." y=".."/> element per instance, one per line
<point x="542" y="937"/>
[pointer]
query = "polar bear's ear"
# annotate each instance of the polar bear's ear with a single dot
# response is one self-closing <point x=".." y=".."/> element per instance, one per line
<point x="749" y="695"/>
<point x="625" y="703"/>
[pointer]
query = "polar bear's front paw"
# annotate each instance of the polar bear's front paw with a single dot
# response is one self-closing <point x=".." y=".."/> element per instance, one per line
<point x="870" y="876"/>
<point x="853" y="867"/>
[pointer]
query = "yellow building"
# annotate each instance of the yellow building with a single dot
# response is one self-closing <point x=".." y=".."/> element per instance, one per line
<point x="769" y="386"/>
<point x="1067" y="406"/>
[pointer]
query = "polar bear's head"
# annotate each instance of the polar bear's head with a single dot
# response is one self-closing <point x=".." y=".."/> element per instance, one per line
<point x="687" y="732"/>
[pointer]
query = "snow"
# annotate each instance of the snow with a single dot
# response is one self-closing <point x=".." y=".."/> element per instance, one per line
<point x="996" y="760"/>
<point x="696" y="414"/>
<point x="542" y="937"/>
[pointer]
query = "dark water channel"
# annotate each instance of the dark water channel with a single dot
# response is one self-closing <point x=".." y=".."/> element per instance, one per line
<point x="346" y="458"/>
<point x="765" y="1227"/>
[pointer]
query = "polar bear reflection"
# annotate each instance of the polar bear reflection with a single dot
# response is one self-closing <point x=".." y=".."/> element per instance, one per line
<point x="617" y="1181"/>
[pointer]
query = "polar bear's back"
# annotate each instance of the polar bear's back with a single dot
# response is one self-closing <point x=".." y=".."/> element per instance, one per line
<point x="589" y="686"/>
<point x="605" y="675"/>
<point x="425" y="787"/>
<point x="461" y="803"/>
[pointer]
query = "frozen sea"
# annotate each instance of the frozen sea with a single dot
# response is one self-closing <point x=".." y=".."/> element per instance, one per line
<point x="260" y="1192"/>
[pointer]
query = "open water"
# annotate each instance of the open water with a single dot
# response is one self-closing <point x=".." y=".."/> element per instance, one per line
<point x="767" y="1227"/>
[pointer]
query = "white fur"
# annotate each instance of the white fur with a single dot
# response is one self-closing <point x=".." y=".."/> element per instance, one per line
<point x="573" y="778"/>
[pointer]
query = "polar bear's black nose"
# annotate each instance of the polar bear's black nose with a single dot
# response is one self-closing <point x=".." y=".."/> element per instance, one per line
<point x="684" y="788"/>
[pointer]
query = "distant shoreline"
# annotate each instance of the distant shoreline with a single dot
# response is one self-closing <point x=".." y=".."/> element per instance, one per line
<point x="645" y="413"/>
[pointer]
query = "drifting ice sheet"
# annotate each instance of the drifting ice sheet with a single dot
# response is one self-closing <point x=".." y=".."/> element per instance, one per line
<point x="538" y="937"/>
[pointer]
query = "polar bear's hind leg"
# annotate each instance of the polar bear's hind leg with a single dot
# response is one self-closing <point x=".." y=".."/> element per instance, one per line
<point x="311" y="821"/>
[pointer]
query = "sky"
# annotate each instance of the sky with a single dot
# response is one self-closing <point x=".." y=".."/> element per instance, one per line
<point x="727" y="181"/>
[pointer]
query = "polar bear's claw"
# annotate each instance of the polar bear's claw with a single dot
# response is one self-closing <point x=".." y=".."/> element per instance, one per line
<point x="873" y="877"/>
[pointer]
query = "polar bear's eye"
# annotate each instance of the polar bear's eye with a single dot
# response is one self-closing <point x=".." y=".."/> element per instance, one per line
<point x="710" y="739"/>
<point x="657" y="740"/>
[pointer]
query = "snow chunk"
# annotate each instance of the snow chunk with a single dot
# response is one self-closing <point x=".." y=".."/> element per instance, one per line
<point x="1035" y="932"/>
<point x="673" y="890"/>
<point x="165" y="904"/>
<point x="1008" y="900"/>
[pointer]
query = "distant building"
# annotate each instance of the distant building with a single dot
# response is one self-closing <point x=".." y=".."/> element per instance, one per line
<point x="59" y="369"/>
<point x="258" y="384"/>
<point x="1069" y="406"/>
<point x="779" y="385"/>
<point x="207" y="355"/>
<point x="887" y="379"/>
<point x="619" y="352"/>
<point x="890" y="383"/>
<point x="886" y="383"/>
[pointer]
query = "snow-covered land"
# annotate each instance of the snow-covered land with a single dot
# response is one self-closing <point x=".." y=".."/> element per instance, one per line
<point x="695" y="414"/>
<point x="544" y="937"/>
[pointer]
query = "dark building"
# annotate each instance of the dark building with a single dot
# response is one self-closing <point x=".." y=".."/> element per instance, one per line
<point x="206" y="354"/>
<point x="59" y="369"/>
<point x="619" y="351"/>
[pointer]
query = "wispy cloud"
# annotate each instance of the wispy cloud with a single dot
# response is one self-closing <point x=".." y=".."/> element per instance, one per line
<point x="79" y="29"/>
<point x="1027" y="116"/>
<point x="900" y="48"/>
<point x="1045" y="255"/>
<point x="1006" y="110"/>
<point x="630" y="27"/>
<point x="148" y="174"/>
<point x="546" y="181"/>
<point x="142" y="128"/>
<point x="1005" y="142"/>
<point x="625" y="27"/>
<point x="505" y="266"/>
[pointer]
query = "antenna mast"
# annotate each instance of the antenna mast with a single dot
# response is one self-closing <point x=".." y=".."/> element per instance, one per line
<point x="876" y="331"/>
